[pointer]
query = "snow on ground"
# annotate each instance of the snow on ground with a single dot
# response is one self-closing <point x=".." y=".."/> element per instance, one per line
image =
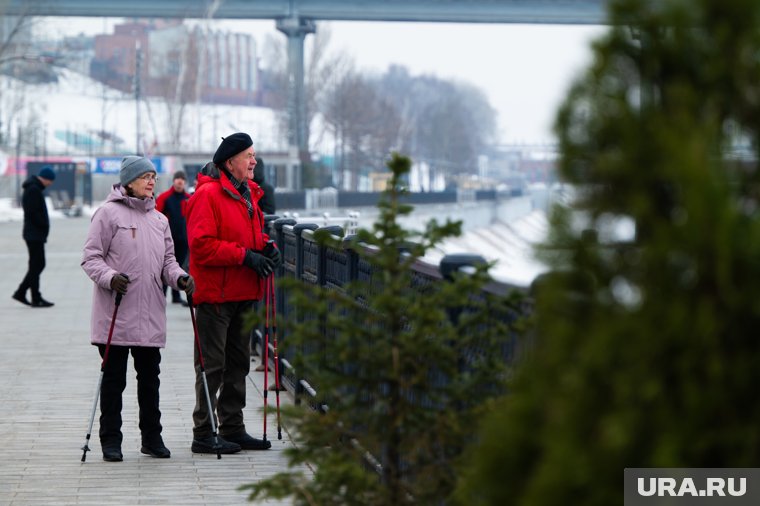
<point x="69" y="114"/>
<point x="10" y="213"/>
<point x="510" y="245"/>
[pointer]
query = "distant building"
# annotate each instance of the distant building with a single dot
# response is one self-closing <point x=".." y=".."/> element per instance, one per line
<point x="178" y="62"/>
<point x="231" y="69"/>
<point x="115" y="59"/>
<point x="530" y="163"/>
<point x="75" y="53"/>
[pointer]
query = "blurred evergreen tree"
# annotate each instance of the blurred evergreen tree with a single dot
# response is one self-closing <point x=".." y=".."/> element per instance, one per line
<point x="404" y="371"/>
<point x="647" y="349"/>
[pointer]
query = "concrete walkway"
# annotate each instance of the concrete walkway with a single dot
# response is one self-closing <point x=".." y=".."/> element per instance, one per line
<point x="48" y="375"/>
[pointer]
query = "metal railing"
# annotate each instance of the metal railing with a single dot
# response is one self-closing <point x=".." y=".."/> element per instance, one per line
<point x="348" y="222"/>
<point x="333" y="268"/>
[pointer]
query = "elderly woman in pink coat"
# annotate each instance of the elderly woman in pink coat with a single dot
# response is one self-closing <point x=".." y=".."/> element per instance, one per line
<point x="129" y="250"/>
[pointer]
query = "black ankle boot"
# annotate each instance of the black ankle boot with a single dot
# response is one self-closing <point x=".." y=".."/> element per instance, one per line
<point x="21" y="297"/>
<point x="41" y="303"/>
<point x="112" y="454"/>
<point x="155" y="449"/>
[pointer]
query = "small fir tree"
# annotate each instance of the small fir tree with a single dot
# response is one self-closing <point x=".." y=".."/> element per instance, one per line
<point x="647" y="346"/>
<point x="404" y="374"/>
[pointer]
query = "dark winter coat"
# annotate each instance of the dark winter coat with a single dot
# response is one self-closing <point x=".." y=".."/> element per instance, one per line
<point x="219" y="232"/>
<point x="172" y="205"/>
<point x="36" y="221"/>
<point x="266" y="203"/>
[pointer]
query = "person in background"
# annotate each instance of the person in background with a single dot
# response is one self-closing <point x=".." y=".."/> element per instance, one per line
<point x="35" y="233"/>
<point x="171" y="204"/>
<point x="230" y="261"/>
<point x="192" y="187"/>
<point x="129" y="250"/>
<point x="267" y="201"/>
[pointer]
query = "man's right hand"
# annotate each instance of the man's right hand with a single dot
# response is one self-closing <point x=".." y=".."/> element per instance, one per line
<point x="273" y="254"/>
<point x="259" y="263"/>
<point x="119" y="283"/>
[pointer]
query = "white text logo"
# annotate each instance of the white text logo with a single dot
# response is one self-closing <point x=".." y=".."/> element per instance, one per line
<point x="662" y="487"/>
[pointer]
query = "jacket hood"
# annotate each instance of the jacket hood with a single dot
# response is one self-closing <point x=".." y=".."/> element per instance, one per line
<point x="118" y="194"/>
<point x="210" y="173"/>
<point x="32" y="180"/>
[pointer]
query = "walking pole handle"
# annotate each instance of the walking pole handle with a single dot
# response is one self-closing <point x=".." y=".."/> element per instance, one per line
<point x="113" y="322"/>
<point x="120" y="295"/>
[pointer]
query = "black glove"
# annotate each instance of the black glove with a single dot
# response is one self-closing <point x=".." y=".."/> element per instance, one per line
<point x="186" y="283"/>
<point x="273" y="254"/>
<point x="259" y="263"/>
<point x="119" y="283"/>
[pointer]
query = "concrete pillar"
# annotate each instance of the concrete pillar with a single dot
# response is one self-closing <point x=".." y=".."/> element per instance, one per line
<point x="296" y="29"/>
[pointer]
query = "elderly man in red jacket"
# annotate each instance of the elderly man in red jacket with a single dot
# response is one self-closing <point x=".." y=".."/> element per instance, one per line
<point x="229" y="261"/>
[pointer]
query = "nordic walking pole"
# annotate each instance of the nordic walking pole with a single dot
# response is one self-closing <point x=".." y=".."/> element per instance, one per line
<point x="86" y="447"/>
<point x="276" y="358"/>
<point x="203" y="377"/>
<point x="266" y="354"/>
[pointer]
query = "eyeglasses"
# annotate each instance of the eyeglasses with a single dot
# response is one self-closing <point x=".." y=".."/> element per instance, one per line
<point x="148" y="177"/>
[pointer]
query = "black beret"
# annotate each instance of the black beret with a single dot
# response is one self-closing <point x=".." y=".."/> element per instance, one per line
<point x="230" y="146"/>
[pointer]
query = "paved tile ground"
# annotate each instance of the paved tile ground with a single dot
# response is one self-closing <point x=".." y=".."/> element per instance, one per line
<point x="48" y="375"/>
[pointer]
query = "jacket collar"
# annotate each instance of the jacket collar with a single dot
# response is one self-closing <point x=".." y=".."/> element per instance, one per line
<point x="118" y="194"/>
<point x="210" y="173"/>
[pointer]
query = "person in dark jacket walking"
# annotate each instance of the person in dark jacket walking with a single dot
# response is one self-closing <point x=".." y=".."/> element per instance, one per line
<point x="229" y="260"/>
<point x="172" y="204"/>
<point x="267" y="202"/>
<point x="35" y="233"/>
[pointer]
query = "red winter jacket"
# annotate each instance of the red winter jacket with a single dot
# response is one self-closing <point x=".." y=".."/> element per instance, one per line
<point x="219" y="233"/>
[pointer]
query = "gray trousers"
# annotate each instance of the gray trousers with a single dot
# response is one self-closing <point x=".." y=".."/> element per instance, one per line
<point x="227" y="359"/>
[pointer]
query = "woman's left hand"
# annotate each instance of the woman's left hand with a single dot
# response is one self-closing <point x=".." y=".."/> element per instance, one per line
<point x="186" y="283"/>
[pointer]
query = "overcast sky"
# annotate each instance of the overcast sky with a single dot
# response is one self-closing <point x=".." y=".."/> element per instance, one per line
<point x="524" y="70"/>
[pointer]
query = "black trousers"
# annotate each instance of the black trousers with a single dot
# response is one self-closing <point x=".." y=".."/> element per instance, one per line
<point x="227" y="360"/>
<point x="36" y="266"/>
<point x="146" y="363"/>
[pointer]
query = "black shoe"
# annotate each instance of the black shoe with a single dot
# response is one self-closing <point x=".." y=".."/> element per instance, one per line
<point x="21" y="297"/>
<point x="41" y="303"/>
<point x="247" y="442"/>
<point x="206" y="445"/>
<point x="156" y="449"/>
<point x="112" y="454"/>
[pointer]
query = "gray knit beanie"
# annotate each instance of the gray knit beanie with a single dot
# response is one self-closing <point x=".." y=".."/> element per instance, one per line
<point x="133" y="167"/>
